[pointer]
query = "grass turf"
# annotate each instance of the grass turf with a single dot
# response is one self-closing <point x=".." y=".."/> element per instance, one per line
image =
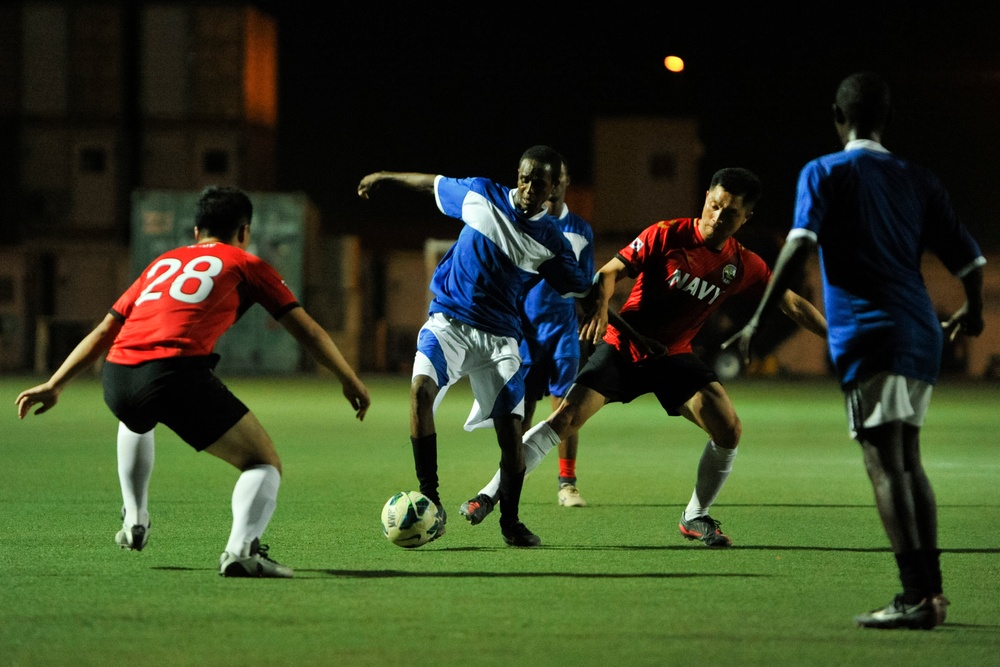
<point x="614" y="583"/>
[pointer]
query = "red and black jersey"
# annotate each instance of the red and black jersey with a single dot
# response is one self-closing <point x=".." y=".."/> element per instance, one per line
<point x="679" y="282"/>
<point x="188" y="297"/>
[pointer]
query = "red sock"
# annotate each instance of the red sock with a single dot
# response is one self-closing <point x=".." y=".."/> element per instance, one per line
<point x="567" y="468"/>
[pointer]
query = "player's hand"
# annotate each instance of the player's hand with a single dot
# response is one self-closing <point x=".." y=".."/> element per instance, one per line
<point x="963" y="321"/>
<point x="42" y="394"/>
<point x="356" y="394"/>
<point x="367" y="184"/>
<point x="742" y="340"/>
<point x="593" y="325"/>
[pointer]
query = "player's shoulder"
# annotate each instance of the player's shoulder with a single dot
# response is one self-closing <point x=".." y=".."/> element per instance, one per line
<point x="672" y="225"/>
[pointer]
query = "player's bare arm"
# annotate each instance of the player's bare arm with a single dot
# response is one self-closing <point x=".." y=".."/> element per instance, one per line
<point x="87" y="351"/>
<point x="321" y="347"/>
<point x="791" y="262"/>
<point x="410" y="180"/>
<point x="803" y="313"/>
<point x="594" y="322"/>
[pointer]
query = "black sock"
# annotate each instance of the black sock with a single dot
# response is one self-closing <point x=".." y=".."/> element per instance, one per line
<point x="932" y="563"/>
<point x="567" y="480"/>
<point x="425" y="463"/>
<point x="510" y="498"/>
<point x="913" y="576"/>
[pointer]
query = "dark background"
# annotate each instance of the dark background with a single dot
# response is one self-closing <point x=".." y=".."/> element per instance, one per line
<point x="463" y="89"/>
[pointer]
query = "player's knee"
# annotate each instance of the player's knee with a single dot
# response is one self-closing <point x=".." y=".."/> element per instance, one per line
<point x="423" y="390"/>
<point x="728" y="435"/>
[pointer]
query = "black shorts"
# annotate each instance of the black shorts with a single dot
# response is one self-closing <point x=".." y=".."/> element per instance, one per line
<point x="181" y="393"/>
<point x="673" y="379"/>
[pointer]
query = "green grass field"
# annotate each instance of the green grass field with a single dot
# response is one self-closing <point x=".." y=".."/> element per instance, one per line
<point x="614" y="583"/>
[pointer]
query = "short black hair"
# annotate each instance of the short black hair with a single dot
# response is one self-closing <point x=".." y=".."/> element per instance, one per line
<point x="222" y="210"/>
<point x="739" y="182"/>
<point x="546" y="155"/>
<point x="865" y="100"/>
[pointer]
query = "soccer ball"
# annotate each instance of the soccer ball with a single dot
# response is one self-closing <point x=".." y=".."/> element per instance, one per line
<point x="409" y="519"/>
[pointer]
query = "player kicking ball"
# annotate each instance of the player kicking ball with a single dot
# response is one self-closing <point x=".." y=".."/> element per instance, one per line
<point x="684" y="269"/>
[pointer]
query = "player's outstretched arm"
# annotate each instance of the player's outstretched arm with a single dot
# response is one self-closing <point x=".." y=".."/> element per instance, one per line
<point x="594" y="321"/>
<point x="321" y="347"/>
<point x="410" y="180"/>
<point x="791" y="261"/>
<point x="803" y="313"/>
<point x="87" y="351"/>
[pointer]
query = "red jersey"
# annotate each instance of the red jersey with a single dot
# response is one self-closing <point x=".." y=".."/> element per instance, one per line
<point x="680" y="282"/>
<point x="190" y="296"/>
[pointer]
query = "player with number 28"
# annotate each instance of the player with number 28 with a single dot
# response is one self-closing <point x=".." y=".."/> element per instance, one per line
<point x="159" y="338"/>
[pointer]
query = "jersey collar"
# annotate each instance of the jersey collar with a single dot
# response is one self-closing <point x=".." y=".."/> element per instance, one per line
<point x="868" y="144"/>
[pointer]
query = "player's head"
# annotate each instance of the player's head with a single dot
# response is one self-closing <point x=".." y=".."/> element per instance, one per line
<point x="222" y="212"/>
<point x="537" y="173"/>
<point x="558" y="195"/>
<point x="732" y="194"/>
<point x="863" y="103"/>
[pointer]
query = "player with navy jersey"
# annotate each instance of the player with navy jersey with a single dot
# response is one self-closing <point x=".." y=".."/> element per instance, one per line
<point x="159" y="337"/>
<point x="474" y="324"/>
<point x="550" y="352"/>
<point x="872" y="214"/>
<point x="684" y="269"/>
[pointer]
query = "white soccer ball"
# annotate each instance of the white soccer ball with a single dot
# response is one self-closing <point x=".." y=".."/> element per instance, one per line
<point x="408" y="519"/>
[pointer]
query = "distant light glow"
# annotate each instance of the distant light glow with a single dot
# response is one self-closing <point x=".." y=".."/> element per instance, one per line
<point x="674" y="63"/>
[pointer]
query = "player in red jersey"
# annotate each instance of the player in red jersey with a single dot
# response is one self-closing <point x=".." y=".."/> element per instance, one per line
<point x="684" y="269"/>
<point x="159" y="337"/>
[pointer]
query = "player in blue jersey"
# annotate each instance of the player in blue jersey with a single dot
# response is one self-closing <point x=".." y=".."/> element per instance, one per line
<point x="872" y="214"/>
<point x="550" y="353"/>
<point x="474" y="323"/>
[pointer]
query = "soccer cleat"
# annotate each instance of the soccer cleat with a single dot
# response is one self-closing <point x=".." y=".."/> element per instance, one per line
<point x="569" y="496"/>
<point x="442" y="519"/>
<point x="518" y="535"/>
<point x="132" y="537"/>
<point x="477" y="509"/>
<point x="706" y="529"/>
<point x="898" y="614"/>
<point x="940" y="604"/>
<point x="253" y="562"/>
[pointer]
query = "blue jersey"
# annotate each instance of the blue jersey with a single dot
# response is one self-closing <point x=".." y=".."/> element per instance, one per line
<point x="479" y="281"/>
<point x="873" y="215"/>
<point x="547" y="315"/>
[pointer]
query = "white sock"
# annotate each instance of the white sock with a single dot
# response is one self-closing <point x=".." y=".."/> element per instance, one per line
<point x="538" y="441"/>
<point x="254" y="498"/>
<point x="714" y="467"/>
<point x="136" y="452"/>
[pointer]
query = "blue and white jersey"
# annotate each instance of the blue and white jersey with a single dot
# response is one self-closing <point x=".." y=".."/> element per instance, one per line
<point x="548" y="315"/>
<point x="873" y="214"/>
<point x="481" y="278"/>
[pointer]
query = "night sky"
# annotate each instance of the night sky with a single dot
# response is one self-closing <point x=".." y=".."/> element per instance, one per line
<point x="463" y="89"/>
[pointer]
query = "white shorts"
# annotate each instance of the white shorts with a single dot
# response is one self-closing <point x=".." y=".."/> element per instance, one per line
<point x="886" y="398"/>
<point x="448" y="350"/>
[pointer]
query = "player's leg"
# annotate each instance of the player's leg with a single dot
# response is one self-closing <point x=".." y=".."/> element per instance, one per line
<point x="248" y="447"/>
<point x="925" y="507"/>
<point x="712" y="410"/>
<point x="511" y="482"/>
<point x="580" y="405"/>
<point x="894" y="489"/>
<point x="885" y="413"/>
<point x="136" y="454"/>
<point x="436" y="365"/>
<point x="568" y="494"/>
